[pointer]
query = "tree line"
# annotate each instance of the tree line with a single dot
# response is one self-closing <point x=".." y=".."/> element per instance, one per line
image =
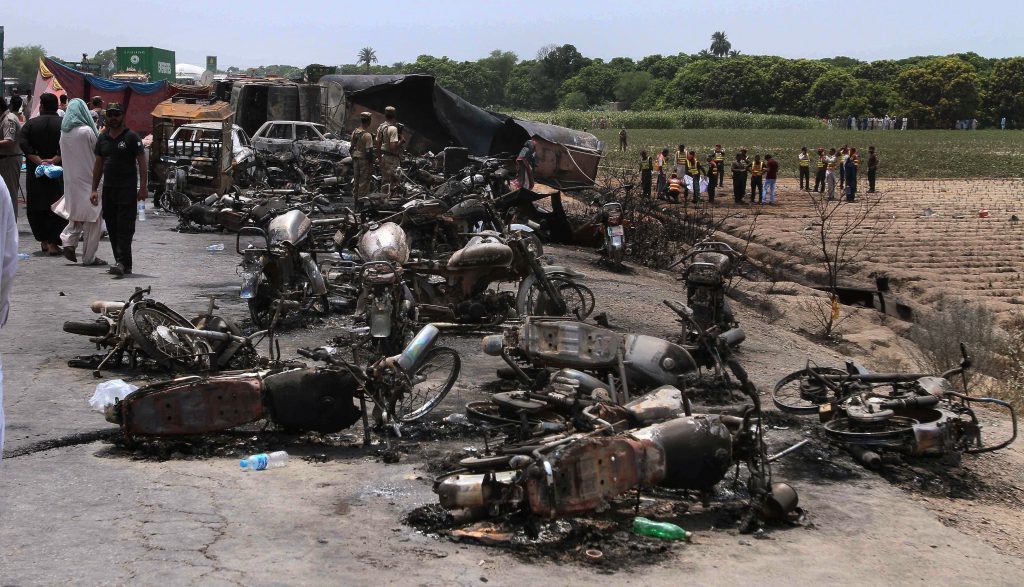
<point x="935" y="91"/>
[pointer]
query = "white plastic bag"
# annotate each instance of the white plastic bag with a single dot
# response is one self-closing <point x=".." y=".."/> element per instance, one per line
<point x="110" y="391"/>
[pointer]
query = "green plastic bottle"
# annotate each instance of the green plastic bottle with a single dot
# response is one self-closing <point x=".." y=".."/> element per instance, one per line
<point x="664" y="530"/>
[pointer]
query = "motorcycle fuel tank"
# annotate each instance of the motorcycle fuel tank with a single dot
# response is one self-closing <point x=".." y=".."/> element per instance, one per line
<point x="481" y="251"/>
<point x="384" y="242"/>
<point x="291" y="227"/>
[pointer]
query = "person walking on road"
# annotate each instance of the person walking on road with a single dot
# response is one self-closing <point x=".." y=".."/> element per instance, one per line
<point x="121" y="164"/>
<point x="8" y="266"/>
<point x="739" y="179"/>
<point x="720" y="164"/>
<point x="362" y="158"/>
<point x="819" y="176"/>
<point x="756" y="182"/>
<point x="872" y="169"/>
<point x="525" y="162"/>
<point x="10" y="153"/>
<point x="40" y="142"/>
<point x="646" y="170"/>
<point x="771" y="172"/>
<point x="805" y="169"/>
<point x="78" y="136"/>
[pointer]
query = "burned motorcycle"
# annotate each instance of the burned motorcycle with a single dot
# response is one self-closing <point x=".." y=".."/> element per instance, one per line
<point x="609" y="449"/>
<point x="630" y="363"/>
<point x="387" y="306"/>
<point x="276" y="265"/>
<point x="140" y="328"/>
<point x="709" y="265"/>
<point x="872" y="414"/>
<point x="613" y="249"/>
<point x="404" y="388"/>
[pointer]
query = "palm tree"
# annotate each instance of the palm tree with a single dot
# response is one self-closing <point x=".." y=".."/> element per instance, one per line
<point x="367" y="56"/>
<point x="720" y="45"/>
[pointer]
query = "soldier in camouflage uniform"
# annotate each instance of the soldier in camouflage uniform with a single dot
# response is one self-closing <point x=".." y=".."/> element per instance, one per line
<point x="362" y="157"/>
<point x="389" y="145"/>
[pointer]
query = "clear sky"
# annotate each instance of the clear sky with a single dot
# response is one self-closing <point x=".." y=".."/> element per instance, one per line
<point x="301" y="32"/>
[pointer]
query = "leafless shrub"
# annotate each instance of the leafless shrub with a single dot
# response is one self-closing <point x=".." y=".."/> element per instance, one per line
<point x="939" y="332"/>
<point x="1012" y="388"/>
<point x="840" y="234"/>
<point x="768" y="309"/>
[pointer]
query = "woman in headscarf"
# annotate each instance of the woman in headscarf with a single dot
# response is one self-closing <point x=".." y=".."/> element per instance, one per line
<point x="85" y="222"/>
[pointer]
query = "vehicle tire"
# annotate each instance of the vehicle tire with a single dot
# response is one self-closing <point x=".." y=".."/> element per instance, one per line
<point x="147" y="321"/>
<point x="173" y="201"/>
<point x="796" y="393"/>
<point x="432" y="380"/>
<point x="893" y="429"/>
<point x="261" y="306"/>
<point x="94" y="328"/>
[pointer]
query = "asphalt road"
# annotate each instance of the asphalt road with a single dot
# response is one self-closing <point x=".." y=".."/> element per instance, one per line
<point x="81" y="510"/>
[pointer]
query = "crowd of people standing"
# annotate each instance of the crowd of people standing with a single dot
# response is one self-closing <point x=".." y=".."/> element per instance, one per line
<point x="684" y="175"/>
<point x="102" y="174"/>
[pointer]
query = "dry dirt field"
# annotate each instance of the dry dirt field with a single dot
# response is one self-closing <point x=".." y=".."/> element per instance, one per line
<point x="950" y="252"/>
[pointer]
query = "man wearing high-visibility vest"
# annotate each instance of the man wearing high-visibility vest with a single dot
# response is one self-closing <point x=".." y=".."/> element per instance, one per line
<point x="694" y="169"/>
<point x="757" y="170"/>
<point x="680" y="166"/>
<point x="713" y="174"/>
<point x="720" y="164"/>
<point x="805" y="169"/>
<point x="819" y="177"/>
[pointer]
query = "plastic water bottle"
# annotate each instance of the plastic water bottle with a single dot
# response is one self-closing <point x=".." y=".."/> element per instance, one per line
<point x="24" y="256"/>
<point x="142" y="210"/>
<point x="215" y="247"/>
<point x="265" y="461"/>
<point x="665" y="530"/>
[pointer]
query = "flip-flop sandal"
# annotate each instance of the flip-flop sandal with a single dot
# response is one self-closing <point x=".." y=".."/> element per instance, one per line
<point x="95" y="263"/>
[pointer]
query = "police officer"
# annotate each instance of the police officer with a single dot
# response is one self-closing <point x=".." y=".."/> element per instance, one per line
<point x="362" y="157"/>
<point x="720" y="164"/>
<point x="713" y="174"/>
<point x="819" y="177"/>
<point x="680" y="167"/>
<point x="694" y="169"/>
<point x="646" y="173"/>
<point x="805" y="169"/>
<point x="389" y="146"/>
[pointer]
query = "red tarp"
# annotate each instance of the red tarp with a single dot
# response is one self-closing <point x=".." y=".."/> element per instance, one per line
<point x="138" y="99"/>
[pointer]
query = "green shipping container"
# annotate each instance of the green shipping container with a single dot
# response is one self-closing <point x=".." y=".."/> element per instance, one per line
<point x="158" y="63"/>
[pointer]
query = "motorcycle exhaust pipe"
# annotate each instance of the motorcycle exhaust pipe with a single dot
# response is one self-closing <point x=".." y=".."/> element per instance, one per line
<point x="417" y="348"/>
<point x="733" y="337"/>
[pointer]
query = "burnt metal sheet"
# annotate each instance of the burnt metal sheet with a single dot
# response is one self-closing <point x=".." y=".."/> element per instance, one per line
<point x="192" y="405"/>
<point x="435" y="118"/>
<point x="588" y="473"/>
<point x="566" y="343"/>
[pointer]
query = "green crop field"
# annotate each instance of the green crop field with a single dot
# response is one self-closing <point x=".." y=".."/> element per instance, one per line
<point x="919" y="154"/>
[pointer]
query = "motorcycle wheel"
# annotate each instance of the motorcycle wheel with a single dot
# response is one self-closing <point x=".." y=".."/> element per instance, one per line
<point x="173" y="201"/>
<point x="579" y="300"/>
<point x="431" y="381"/>
<point x="147" y="322"/>
<point x="893" y="429"/>
<point x="261" y="307"/>
<point x="799" y="393"/>
<point x="534" y="245"/>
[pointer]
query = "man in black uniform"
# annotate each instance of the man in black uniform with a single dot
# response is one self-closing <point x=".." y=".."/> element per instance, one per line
<point x="40" y="142"/>
<point x="121" y="162"/>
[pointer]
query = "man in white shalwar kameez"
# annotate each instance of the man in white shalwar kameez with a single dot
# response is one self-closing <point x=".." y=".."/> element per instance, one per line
<point x="8" y="265"/>
<point x="77" y="144"/>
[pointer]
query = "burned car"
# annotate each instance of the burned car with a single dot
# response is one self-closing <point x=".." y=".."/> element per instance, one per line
<point x="299" y="138"/>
